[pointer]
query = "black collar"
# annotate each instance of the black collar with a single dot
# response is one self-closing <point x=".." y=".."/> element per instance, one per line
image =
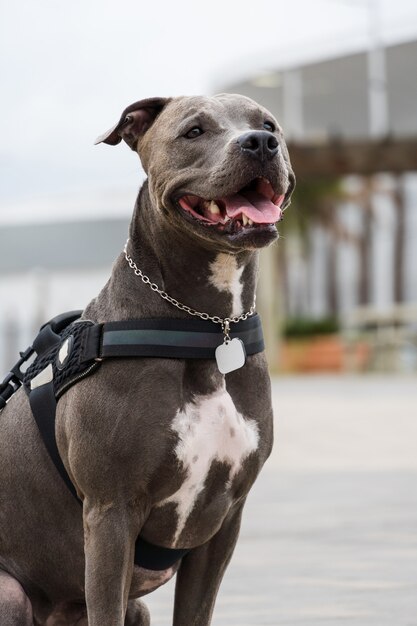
<point x="169" y="338"/>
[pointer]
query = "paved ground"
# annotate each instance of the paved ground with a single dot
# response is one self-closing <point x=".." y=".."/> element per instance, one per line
<point x="330" y="530"/>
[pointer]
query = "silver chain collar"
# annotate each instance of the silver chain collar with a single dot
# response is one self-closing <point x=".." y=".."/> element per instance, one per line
<point x="224" y="321"/>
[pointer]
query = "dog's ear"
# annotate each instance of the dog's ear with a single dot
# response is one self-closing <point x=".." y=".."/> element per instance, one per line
<point x="134" y="122"/>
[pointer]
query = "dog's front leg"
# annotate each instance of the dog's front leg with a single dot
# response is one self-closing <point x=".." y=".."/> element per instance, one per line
<point x="201" y="573"/>
<point x="110" y="532"/>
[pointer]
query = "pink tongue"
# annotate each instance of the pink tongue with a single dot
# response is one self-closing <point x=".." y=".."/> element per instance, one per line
<point x="255" y="206"/>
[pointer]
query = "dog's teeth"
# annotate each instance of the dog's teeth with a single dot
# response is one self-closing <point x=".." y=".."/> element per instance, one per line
<point x="213" y="208"/>
<point x="250" y="222"/>
<point x="244" y="219"/>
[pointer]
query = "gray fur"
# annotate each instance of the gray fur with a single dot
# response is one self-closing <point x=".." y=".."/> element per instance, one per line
<point x="114" y="429"/>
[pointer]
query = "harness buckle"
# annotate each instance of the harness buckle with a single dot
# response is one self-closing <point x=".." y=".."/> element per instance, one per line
<point x="48" y="336"/>
<point x="14" y="378"/>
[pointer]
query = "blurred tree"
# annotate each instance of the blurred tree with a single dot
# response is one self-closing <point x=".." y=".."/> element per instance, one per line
<point x="315" y="203"/>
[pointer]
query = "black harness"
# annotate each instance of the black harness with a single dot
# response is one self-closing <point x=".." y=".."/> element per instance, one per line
<point x="69" y="349"/>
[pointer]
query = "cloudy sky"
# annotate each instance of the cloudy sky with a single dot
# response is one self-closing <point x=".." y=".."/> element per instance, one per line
<point x="69" y="68"/>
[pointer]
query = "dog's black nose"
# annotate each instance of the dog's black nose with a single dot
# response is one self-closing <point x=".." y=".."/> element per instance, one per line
<point x="260" y="144"/>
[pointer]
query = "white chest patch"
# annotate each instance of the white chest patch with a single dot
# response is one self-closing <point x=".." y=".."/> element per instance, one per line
<point x="210" y="429"/>
<point x="225" y="276"/>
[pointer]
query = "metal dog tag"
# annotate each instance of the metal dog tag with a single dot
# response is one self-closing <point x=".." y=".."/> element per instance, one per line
<point x="230" y="355"/>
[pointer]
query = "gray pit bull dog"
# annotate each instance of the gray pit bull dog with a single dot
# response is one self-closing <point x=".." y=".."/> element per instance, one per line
<point x="167" y="449"/>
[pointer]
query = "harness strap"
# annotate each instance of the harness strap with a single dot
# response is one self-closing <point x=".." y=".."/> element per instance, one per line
<point x="43" y="404"/>
<point x="157" y="558"/>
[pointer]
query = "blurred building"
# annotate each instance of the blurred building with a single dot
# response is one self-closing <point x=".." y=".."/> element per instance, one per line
<point x="50" y="268"/>
<point x="367" y="95"/>
<point x="329" y="98"/>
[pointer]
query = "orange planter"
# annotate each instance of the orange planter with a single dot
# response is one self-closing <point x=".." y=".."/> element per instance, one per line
<point x="324" y="353"/>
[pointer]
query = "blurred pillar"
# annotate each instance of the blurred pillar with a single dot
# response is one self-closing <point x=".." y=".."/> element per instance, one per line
<point x="365" y="243"/>
<point x="10" y="336"/>
<point x="293" y="121"/>
<point x="332" y="274"/>
<point x="377" y="74"/>
<point x="399" y="240"/>
<point x="270" y="303"/>
<point x="40" y="285"/>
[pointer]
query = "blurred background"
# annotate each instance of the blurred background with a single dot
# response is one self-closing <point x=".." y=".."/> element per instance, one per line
<point x="338" y="293"/>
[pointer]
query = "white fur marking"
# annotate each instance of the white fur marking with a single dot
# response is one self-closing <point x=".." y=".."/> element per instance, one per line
<point x="225" y="276"/>
<point x="210" y="429"/>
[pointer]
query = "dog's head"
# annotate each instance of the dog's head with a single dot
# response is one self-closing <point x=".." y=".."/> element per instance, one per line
<point x="218" y="167"/>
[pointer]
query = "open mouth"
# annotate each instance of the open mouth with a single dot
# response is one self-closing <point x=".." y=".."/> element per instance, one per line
<point x="256" y="205"/>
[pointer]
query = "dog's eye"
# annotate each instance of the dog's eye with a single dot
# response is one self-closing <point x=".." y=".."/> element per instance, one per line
<point x="194" y="132"/>
<point x="269" y="126"/>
